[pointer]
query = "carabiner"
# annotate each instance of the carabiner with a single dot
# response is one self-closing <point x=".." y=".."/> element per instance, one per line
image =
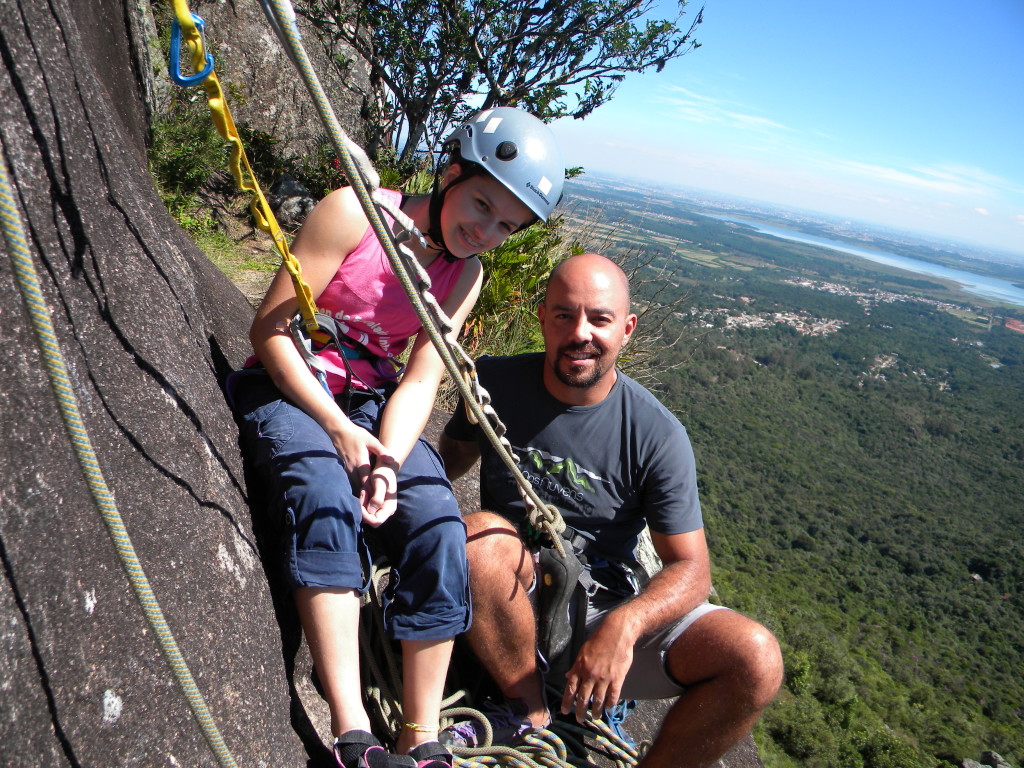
<point x="198" y="77"/>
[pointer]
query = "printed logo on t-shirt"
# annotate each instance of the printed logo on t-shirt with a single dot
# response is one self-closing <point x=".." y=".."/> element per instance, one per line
<point x="557" y="466"/>
<point x="558" y="476"/>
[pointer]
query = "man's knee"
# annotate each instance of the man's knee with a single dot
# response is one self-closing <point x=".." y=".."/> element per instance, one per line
<point x="491" y="536"/>
<point x="494" y="548"/>
<point x="730" y="646"/>
<point x="763" y="662"/>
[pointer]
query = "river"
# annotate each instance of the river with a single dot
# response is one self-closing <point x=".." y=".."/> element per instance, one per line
<point x="980" y="285"/>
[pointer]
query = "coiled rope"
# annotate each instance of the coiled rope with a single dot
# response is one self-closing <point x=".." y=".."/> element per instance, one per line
<point x="53" y="359"/>
<point x="562" y="744"/>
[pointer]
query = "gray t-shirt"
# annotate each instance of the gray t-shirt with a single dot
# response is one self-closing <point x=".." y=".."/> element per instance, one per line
<point x="608" y="468"/>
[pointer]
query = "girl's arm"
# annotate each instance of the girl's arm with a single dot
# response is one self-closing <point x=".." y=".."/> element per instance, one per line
<point x="409" y="407"/>
<point x="331" y="231"/>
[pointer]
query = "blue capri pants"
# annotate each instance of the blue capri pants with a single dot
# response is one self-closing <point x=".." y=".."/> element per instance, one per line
<point x="425" y="540"/>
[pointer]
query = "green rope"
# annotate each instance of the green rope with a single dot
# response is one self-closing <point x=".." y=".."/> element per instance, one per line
<point x="42" y="324"/>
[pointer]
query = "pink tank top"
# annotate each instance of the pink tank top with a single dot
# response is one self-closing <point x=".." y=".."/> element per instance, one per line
<point x="371" y="307"/>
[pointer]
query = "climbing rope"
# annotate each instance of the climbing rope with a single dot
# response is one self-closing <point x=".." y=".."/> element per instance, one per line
<point x="53" y="360"/>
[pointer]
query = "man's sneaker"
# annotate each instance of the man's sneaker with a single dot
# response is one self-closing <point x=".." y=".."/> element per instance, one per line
<point x="507" y="727"/>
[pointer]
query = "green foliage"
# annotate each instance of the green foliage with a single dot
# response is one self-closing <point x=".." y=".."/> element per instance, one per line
<point x="320" y="171"/>
<point x="504" y="319"/>
<point x="265" y="157"/>
<point x="413" y="174"/>
<point x="883" y="749"/>
<point x="797" y="725"/>
<point x="429" y="59"/>
<point x="186" y="149"/>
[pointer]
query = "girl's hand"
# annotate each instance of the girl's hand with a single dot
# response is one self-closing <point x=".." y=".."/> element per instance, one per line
<point x="359" y="452"/>
<point x="379" y="496"/>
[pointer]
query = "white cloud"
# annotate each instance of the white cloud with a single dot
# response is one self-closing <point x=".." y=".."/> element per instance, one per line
<point x="972" y="176"/>
<point x="776" y="142"/>
<point x="982" y="211"/>
<point x="917" y="178"/>
<point x="697" y="108"/>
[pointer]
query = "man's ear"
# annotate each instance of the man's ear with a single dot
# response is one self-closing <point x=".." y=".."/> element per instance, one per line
<point x="630" y="327"/>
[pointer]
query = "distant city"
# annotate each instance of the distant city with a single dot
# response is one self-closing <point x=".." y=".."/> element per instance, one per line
<point x="820" y="223"/>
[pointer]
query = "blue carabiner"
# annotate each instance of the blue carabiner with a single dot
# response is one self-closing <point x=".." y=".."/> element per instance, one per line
<point x="176" y="75"/>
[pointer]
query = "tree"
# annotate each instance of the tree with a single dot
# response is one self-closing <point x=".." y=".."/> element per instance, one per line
<point x="432" y="61"/>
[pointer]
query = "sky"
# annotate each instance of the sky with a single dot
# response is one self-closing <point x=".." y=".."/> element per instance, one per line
<point x="898" y="112"/>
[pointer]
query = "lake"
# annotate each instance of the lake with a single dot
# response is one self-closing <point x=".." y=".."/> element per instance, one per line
<point x="980" y="285"/>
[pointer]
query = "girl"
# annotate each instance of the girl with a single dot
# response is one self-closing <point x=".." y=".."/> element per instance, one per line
<point x="353" y="461"/>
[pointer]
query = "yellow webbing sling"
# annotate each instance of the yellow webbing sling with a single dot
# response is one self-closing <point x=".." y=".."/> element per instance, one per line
<point x="202" y="64"/>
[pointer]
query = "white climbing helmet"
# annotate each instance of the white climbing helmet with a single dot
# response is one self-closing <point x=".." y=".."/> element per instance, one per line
<point x="519" y="151"/>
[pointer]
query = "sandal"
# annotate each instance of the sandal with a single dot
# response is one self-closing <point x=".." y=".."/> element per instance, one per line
<point x="351" y="747"/>
<point x="431" y="754"/>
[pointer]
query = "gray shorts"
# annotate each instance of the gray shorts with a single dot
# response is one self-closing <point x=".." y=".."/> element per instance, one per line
<point x="648" y="676"/>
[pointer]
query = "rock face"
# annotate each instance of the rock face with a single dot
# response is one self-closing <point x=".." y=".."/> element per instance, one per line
<point x="266" y="91"/>
<point x="291" y="203"/>
<point x="148" y="328"/>
<point x="994" y="760"/>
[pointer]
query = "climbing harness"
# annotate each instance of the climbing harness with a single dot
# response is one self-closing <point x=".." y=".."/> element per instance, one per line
<point x="60" y="381"/>
<point x="543" y="748"/>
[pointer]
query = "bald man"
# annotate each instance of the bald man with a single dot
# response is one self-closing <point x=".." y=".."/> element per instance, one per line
<point x="612" y="459"/>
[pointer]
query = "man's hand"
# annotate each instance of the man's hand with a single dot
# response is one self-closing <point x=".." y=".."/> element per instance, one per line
<point x="595" y="680"/>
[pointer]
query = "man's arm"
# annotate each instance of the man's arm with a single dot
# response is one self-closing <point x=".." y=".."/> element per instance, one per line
<point x="459" y="455"/>
<point x="595" y="680"/>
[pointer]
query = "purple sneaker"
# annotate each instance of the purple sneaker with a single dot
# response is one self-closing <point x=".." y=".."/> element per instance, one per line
<point x="507" y="727"/>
